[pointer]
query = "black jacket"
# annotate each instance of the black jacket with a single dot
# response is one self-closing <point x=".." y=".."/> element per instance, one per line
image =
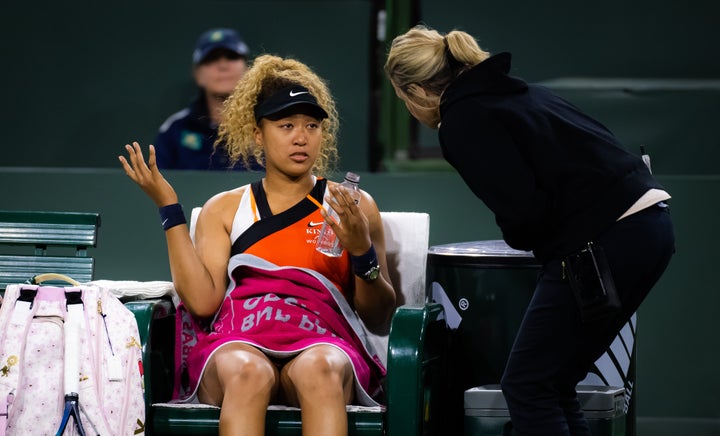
<point x="554" y="177"/>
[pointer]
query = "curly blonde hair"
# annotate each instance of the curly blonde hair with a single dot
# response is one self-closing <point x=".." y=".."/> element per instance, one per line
<point x="268" y="74"/>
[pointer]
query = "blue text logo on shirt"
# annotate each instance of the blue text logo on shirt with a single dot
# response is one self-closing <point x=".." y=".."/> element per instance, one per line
<point x="190" y="140"/>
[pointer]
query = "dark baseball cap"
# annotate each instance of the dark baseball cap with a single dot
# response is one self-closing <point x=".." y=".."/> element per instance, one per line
<point x="289" y="100"/>
<point x="218" y="38"/>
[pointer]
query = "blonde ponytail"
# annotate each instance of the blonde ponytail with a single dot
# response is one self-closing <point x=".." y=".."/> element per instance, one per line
<point x="424" y="56"/>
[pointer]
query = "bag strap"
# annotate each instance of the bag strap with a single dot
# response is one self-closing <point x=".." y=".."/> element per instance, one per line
<point x="71" y="329"/>
<point x="23" y="310"/>
<point x="47" y="277"/>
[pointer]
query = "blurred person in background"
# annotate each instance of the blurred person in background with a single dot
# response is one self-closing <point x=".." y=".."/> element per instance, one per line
<point x="186" y="140"/>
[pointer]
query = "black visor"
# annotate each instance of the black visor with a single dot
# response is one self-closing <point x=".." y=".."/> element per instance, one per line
<point x="288" y="101"/>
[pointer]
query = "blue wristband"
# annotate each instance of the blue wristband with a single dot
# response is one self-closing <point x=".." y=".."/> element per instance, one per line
<point x="365" y="262"/>
<point x="171" y="215"/>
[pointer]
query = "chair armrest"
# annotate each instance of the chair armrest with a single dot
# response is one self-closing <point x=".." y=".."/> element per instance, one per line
<point x="156" y="326"/>
<point x="415" y="365"/>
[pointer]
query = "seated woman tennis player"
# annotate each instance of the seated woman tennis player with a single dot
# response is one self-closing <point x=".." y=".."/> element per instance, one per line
<point x="268" y="318"/>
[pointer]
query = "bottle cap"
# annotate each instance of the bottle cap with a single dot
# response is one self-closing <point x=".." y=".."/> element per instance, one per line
<point x="352" y="177"/>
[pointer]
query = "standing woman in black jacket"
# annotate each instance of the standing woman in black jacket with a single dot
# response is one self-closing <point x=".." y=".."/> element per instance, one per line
<point x="560" y="184"/>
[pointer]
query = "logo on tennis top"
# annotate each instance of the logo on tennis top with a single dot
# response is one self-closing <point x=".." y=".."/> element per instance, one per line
<point x="294" y="94"/>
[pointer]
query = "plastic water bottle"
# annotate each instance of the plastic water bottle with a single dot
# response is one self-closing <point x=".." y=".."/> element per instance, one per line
<point x="327" y="242"/>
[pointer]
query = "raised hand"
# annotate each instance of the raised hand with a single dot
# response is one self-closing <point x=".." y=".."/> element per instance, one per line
<point x="147" y="175"/>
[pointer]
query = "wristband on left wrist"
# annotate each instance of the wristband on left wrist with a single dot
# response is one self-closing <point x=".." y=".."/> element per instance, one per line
<point x="366" y="265"/>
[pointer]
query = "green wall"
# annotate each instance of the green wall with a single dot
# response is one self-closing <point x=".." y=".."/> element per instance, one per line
<point x="611" y="38"/>
<point x="81" y="79"/>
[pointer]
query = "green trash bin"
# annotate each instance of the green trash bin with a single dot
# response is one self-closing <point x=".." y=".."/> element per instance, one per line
<point x="485" y="287"/>
<point x="486" y="412"/>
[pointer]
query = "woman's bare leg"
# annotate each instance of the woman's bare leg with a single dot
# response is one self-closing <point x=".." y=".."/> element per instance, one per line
<point x="241" y="380"/>
<point x="320" y="381"/>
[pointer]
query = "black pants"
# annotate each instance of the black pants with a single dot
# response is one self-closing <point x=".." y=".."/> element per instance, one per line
<point x="554" y="349"/>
